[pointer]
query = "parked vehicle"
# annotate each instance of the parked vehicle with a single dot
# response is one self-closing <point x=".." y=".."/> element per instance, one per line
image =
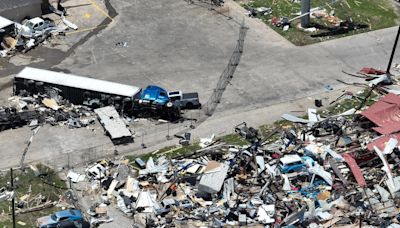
<point x="185" y="100"/>
<point x="6" y="195"/>
<point x="154" y="102"/>
<point x="140" y="163"/>
<point x="165" y="206"/>
<point x="291" y="163"/>
<point x="259" y="11"/>
<point x="154" y="96"/>
<point x="36" y="27"/>
<point x="77" y="89"/>
<point x="58" y="217"/>
<point x="98" y="171"/>
<point x="73" y="224"/>
<point x="185" y="204"/>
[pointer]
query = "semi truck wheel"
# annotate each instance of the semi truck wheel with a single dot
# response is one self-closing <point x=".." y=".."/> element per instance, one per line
<point x="189" y="105"/>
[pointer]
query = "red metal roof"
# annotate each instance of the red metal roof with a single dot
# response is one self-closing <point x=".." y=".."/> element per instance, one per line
<point x="355" y="169"/>
<point x="367" y="70"/>
<point x="385" y="113"/>
<point x="381" y="142"/>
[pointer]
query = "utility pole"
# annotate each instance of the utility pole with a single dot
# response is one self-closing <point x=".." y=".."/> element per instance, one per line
<point x="12" y="200"/>
<point x="388" y="74"/>
<point x="305" y="10"/>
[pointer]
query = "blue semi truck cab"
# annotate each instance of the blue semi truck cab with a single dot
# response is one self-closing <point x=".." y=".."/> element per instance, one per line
<point x="156" y="101"/>
<point x="154" y="95"/>
<point x="153" y="101"/>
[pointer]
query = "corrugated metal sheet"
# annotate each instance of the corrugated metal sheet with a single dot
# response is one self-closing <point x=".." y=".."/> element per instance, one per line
<point x="381" y="142"/>
<point x="355" y="169"/>
<point x="213" y="180"/>
<point x="385" y="113"/>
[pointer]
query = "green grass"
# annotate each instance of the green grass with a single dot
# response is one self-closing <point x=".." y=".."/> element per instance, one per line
<point x="168" y="152"/>
<point x="27" y="180"/>
<point x="234" y="139"/>
<point x="265" y="130"/>
<point x="184" y="150"/>
<point x="346" y="104"/>
<point x="375" y="14"/>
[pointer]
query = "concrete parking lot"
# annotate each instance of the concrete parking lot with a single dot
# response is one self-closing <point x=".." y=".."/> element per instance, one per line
<point x="184" y="46"/>
<point x="181" y="46"/>
<point x="91" y="16"/>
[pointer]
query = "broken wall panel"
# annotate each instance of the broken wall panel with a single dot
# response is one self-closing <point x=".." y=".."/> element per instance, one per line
<point x="213" y="178"/>
<point x="114" y="125"/>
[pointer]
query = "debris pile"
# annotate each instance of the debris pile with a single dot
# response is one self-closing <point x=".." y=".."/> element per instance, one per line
<point x="49" y="107"/>
<point x="325" y="21"/>
<point x="45" y="107"/>
<point x="22" y="37"/>
<point x="330" y="169"/>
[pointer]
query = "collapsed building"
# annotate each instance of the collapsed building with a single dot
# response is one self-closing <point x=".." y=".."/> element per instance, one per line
<point x="336" y="168"/>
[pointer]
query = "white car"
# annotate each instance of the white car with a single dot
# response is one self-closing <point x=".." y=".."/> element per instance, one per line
<point x="98" y="171"/>
<point x="36" y="27"/>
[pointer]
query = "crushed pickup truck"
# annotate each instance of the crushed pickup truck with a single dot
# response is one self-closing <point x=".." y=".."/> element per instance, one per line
<point x="36" y="27"/>
<point x="29" y="33"/>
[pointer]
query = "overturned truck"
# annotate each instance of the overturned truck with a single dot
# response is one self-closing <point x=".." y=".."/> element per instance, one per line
<point x="95" y="93"/>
